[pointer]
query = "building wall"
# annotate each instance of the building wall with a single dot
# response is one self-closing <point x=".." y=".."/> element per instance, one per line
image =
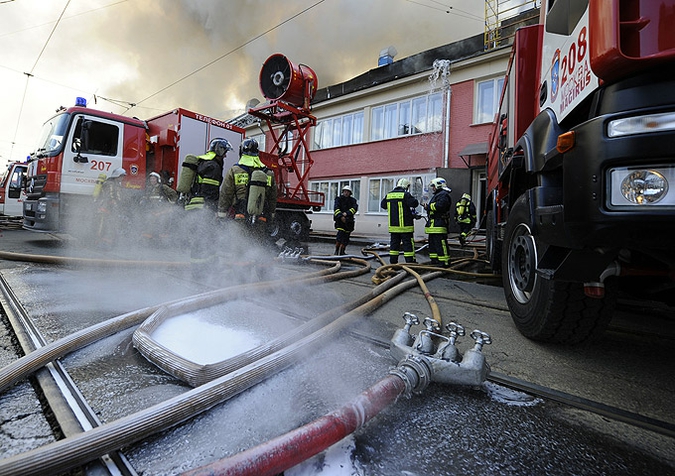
<point x="421" y="154"/>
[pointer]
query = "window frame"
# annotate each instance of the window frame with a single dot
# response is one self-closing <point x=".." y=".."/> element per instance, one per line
<point x="423" y="115"/>
<point x="497" y="83"/>
<point x="332" y="187"/>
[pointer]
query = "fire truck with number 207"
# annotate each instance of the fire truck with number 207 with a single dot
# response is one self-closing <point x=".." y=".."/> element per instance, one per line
<point x="581" y="166"/>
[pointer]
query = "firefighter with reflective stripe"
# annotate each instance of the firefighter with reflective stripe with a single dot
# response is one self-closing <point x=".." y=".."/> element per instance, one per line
<point x="205" y="188"/>
<point x="465" y="216"/>
<point x="156" y="204"/>
<point x="200" y="181"/>
<point x="345" y="207"/>
<point x="400" y="204"/>
<point x="438" y="210"/>
<point x="249" y="191"/>
<point x="109" y="198"/>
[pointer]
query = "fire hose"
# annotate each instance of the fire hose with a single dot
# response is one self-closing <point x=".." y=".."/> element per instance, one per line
<point x="77" y="450"/>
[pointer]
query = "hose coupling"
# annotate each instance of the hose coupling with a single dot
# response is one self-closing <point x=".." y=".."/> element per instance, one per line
<point x="416" y="372"/>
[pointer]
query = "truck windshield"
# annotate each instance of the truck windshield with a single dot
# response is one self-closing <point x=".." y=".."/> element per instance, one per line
<point x="52" y="134"/>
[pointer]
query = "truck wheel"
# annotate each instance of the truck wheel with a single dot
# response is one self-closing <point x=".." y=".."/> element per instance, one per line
<point x="291" y="227"/>
<point x="546" y="310"/>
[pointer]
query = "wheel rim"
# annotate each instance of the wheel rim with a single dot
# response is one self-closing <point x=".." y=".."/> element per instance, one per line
<point x="522" y="263"/>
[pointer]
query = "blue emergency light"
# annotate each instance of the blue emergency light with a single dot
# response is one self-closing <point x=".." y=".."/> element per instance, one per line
<point x="79" y="101"/>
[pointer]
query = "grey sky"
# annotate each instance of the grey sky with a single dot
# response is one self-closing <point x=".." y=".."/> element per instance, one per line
<point x="202" y="55"/>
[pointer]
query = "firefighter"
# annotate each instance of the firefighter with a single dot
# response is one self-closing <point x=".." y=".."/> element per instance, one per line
<point x="400" y="206"/>
<point x="249" y="192"/>
<point x="109" y="200"/>
<point x="199" y="184"/>
<point x="155" y="202"/>
<point x="438" y="210"/>
<point x="345" y="207"/>
<point x="465" y="216"/>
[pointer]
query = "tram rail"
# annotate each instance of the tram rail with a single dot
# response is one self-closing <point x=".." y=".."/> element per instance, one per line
<point x="74" y="414"/>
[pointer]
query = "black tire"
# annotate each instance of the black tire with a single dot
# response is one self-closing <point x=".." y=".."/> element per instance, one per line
<point x="292" y="227"/>
<point x="543" y="309"/>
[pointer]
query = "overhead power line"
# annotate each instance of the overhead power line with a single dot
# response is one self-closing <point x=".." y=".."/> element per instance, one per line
<point x="226" y="54"/>
<point x="30" y="74"/>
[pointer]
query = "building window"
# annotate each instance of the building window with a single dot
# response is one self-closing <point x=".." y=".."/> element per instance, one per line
<point x="339" y="131"/>
<point x="413" y="116"/>
<point x="379" y="187"/>
<point x="260" y="139"/>
<point x="333" y="188"/>
<point x="487" y="99"/>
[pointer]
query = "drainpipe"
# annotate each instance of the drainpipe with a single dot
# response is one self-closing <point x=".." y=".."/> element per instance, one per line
<point x="446" y="145"/>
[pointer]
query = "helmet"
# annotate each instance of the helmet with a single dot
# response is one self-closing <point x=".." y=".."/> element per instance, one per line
<point x="156" y="175"/>
<point x="403" y="183"/>
<point x="438" y="183"/>
<point x="118" y="172"/>
<point x="249" y="147"/>
<point x="348" y="188"/>
<point x="466" y="196"/>
<point x="220" y="146"/>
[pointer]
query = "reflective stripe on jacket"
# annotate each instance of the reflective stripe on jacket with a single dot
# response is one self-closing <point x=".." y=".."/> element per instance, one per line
<point x="399" y="204"/>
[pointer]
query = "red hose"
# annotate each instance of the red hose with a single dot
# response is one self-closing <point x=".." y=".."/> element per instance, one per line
<point x="277" y="455"/>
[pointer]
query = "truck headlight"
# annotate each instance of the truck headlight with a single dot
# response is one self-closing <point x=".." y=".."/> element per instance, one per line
<point x="643" y="187"/>
<point x="41" y="207"/>
<point x="641" y="124"/>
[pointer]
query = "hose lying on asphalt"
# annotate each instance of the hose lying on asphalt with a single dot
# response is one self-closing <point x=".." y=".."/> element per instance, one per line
<point x="38" y="358"/>
<point x="70" y="260"/>
<point x="279" y="454"/>
<point x="78" y="450"/>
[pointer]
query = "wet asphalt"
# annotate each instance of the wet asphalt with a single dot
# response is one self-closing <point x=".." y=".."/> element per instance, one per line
<point x="446" y="430"/>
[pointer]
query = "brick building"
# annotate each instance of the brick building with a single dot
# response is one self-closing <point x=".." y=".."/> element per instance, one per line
<point x="423" y="116"/>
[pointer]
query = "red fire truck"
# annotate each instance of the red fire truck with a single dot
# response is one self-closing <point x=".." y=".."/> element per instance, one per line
<point x="581" y="166"/>
<point x="80" y="144"/>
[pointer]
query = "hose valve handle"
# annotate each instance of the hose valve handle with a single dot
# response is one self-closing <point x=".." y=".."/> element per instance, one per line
<point x="481" y="338"/>
<point x="455" y="330"/>
<point x="432" y="325"/>
<point x="410" y="320"/>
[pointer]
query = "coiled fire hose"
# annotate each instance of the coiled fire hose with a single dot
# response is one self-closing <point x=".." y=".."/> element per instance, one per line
<point x="82" y="448"/>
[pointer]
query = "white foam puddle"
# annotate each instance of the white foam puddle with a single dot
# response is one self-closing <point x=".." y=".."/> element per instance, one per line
<point x="194" y="338"/>
<point x="509" y="396"/>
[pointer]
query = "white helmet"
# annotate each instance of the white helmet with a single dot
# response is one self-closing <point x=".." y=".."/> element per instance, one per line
<point x="118" y="172"/>
<point x="348" y="188"/>
<point x="403" y="183"/>
<point x="438" y="183"/>
<point x="156" y="175"/>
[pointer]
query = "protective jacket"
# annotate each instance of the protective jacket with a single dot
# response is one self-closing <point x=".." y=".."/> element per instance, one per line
<point x="205" y="188"/>
<point x="159" y="193"/>
<point x="345" y="207"/>
<point x="438" y="210"/>
<point x="465" y="211"/>
<point x="399" y="204"/>
<point x="236" y="189"/>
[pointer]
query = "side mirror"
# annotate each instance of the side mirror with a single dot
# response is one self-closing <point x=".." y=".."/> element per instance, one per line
<point x="82" y="143"/>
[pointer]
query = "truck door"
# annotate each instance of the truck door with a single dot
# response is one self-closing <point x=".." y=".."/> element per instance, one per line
<point x="94" y="147"/>
<point x="13" y="192"/>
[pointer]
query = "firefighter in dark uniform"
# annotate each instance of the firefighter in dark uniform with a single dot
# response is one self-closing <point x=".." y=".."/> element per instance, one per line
<point x="438" y="210"/>
<point x="465" y="216"/>
<point x="400" y="204"/>
<point x="345" y="207"/>
<point x="249" y="192"/>
<point x="200" y="183"/>
<point x="110" y="200"/>
<point x="156" y="205"/>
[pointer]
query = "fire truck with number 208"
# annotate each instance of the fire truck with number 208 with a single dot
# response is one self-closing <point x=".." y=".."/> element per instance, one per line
<point x="581" y="166"/>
